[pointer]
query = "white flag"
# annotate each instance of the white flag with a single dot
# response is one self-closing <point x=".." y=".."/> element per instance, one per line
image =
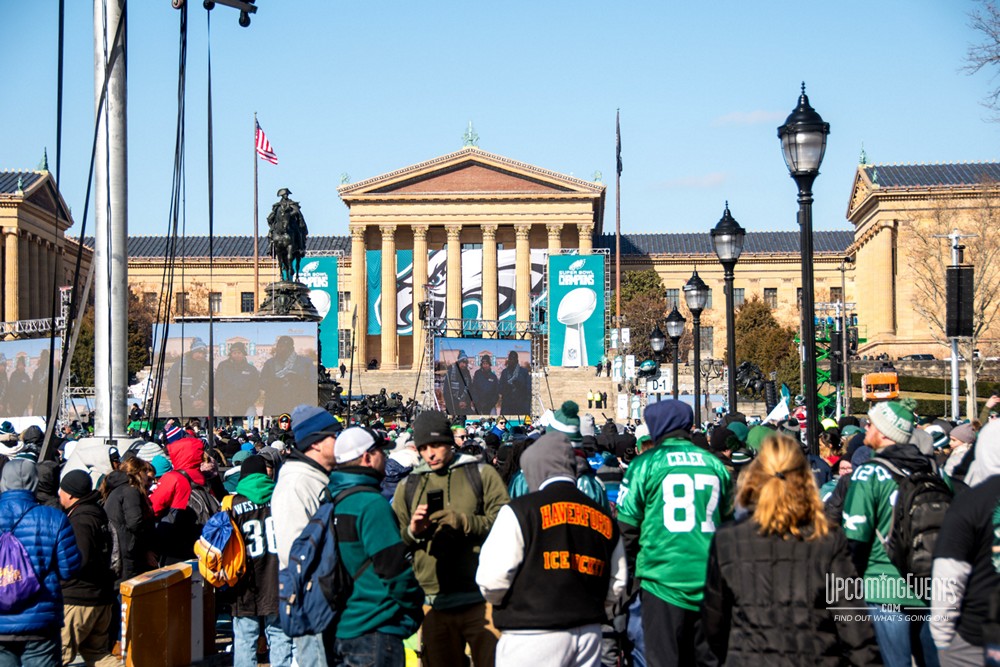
<point x="780" y="412"/>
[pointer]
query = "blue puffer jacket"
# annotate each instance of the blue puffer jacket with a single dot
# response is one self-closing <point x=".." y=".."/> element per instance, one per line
<point x="48" y="538"/>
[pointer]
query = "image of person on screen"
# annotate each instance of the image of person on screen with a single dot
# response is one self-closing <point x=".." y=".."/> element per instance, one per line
<point x="187" y="382"/>
<point x="3" y="385"/>
<point x="237" y="383"/>
<point x="458" y="383"/>
<point x="40" y="384"/>
<point x="286" y="378"/>
<point x="485" y="387"/>
<point x="515" y="387"/>
<point x="19" y="389"/>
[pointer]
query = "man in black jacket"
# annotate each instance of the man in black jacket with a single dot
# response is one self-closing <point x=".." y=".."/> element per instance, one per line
<point x="89" y="596"/>
<point x="553" y="566"/>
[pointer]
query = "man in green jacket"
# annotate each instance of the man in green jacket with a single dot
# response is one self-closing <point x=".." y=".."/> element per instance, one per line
<point x="446" y="541"/>
<point x="384" y="607"/>
<point x="670" y="502"/>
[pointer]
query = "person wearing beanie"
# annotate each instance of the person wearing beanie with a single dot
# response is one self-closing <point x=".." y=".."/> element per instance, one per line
<point x="47" y="536"/>
<point x="551" y="614"/>
<point x="669" y="504"/>
<point x="446" y="542"/>
<point x="386" y="604"/>
<point x="255" y="595"/>
<point x="963" y="558"/>
<point x="237" y="383"/>
<point x="300" y="488"/>
<point x="172" y="497"/>
<point x="186" y="383"/>
<point x="868" y="513"/>
<point x="458" y="397"/>
<point x="485" y="387"/>
<point x="89" y="595"/>
<point x="961" y="438"/>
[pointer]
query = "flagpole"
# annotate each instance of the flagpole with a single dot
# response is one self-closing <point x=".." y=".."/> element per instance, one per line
<point x="256" y="235"/>
<point x="618" y="221"/>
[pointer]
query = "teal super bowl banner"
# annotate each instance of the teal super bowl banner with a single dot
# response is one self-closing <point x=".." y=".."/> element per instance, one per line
<point x="319" y="274"/>
<point x="576" y="312"/>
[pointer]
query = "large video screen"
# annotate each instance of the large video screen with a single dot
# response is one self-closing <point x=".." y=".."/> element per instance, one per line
<point x="24" y="376"/>
<point x="478" y="376"/>
<point x="261" y="368"/>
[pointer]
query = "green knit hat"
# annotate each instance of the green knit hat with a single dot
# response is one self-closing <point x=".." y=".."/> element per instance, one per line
<point x="567" y="420"/>
<point x="756" y="435"/>
<point x="892" y="420"/>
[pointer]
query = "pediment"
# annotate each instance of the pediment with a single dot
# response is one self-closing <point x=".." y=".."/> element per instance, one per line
<point x="860" y="191"/>
<point x="470" y="171"/>
<point x="44" y="195"/>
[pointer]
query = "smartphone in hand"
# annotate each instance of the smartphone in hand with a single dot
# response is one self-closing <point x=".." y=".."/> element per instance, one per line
<point x="435" y="501"/>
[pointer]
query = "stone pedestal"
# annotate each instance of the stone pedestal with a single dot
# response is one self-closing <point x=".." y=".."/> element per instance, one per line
<point x="288" y="299"/>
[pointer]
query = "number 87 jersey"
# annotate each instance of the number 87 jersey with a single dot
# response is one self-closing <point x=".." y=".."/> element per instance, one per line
<point x="669" y="504"/>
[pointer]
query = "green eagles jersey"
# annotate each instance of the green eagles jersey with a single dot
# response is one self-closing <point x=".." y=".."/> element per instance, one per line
<point x="868" y="514"/>
<point x="676" y="494"/>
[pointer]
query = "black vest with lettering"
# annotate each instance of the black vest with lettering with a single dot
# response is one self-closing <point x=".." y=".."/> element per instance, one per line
<point x="563" y="579"/>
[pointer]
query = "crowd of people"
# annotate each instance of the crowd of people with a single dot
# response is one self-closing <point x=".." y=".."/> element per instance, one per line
<point x="552" y="542"/>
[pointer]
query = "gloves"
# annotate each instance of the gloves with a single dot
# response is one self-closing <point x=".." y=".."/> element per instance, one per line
<point x="451" y="519"/>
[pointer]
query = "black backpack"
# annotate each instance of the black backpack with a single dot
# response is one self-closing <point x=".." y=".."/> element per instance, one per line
<point x="202" y="503"/>
<point x="921" y="504"/>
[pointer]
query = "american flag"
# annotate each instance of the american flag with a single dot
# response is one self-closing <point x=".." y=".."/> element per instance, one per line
<point x="264" y="149"/>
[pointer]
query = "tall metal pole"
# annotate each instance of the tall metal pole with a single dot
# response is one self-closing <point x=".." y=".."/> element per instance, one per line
<point x="697" y="368"/>
<point x="676" y="343"/>
<point x="730" y="335"/>
<point x="111" y="225"/>
<point x="808" y="309"/>
<point x="256" y="214"/>
<point x="618" y="226"/>
<point x="843" y="341"/>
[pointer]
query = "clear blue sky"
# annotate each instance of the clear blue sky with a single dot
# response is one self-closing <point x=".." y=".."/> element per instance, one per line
<point x="364" y="88"/>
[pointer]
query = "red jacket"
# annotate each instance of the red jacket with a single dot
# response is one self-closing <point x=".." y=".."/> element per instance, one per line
<point x="174" y="490"/>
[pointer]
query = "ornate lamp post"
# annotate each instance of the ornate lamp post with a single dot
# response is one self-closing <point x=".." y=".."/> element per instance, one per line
<point x="675" y="329"/>
<point x="696" y="296"/>
<point x="803" y="143"/>
<point x="657" y="341"/>
<point x="727" y="241"/>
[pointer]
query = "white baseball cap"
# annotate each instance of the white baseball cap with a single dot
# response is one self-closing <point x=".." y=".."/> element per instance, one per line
<point x="354" y="442"/>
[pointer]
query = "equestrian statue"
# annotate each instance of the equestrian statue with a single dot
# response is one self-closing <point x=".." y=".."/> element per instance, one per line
<point x="287" y="234"/>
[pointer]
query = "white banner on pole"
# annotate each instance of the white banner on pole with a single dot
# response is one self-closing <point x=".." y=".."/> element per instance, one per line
<point x="622" y="411"/>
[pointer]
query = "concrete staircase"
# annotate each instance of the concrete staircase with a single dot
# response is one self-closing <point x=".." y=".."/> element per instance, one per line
<point x="572" y="384"/>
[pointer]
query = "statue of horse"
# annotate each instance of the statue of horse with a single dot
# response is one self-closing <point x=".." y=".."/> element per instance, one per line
<point x="287" y="233"/>
<point x="750" y="378"/>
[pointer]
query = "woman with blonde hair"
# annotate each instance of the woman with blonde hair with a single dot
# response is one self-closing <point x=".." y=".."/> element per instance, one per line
<point x="770" y="594"/>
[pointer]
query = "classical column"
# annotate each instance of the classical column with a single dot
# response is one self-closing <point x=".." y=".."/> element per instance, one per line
<point x="490" y="276"/>
<point x="359" y="286"/>
<point x="586" y="232"/>
<point x="555" y="237"/>
<point x="522" y="278"/>
<point x="419" y="294"/>
<point x="882" y="322"/>
<point x="46" y="253"/>
<point x="11" y="275"/>
<point x="29" y="276"/>
<point x="454" y="303"/>
<point x="390" y="343"/>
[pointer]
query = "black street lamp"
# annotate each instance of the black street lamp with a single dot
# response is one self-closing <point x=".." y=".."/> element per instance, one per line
<point x="657" y="341"/>
<point x="803" y="143"/>
<point x="675" y="329"/>
<point x="727" y="240"/>
<point x="696" y="296"/>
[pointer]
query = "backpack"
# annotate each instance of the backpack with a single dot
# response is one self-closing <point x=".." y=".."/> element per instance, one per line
<point x="315" y="585"/>
<point x="921" y="504"/>
<point x="202" y="503"/>
<point x="221" y="550"/>
<point x="18" y="581"/>
<point x="474" y="474"/>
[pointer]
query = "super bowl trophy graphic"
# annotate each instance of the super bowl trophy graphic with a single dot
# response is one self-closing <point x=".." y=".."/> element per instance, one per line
<point x="575" y="309"/>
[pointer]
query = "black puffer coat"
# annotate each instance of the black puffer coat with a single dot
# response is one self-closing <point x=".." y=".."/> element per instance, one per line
<point x="93" y="583"/>
<point x="766" y="601"/>
<point x="131" y="516"/>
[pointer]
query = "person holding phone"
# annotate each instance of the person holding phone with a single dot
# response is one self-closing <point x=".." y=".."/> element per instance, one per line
<point x="445" y="509"/>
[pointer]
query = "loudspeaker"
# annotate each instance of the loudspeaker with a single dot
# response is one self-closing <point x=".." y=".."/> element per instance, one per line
<point x="770" y="395"/>
<point x="960" y="296"/>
